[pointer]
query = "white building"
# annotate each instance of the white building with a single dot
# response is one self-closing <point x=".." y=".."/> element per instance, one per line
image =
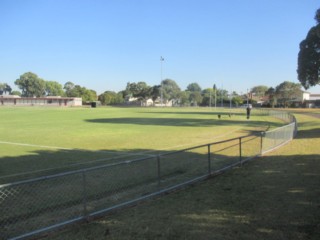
<point x="149" y="102"/>
<point x="311" y="100"/>
<point x="12" y="100"/>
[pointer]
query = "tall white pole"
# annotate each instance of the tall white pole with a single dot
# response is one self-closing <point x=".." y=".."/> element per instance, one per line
<point x="161" y="90"/>
<point x="222" y="96"/>
<point x="215" y="98"/>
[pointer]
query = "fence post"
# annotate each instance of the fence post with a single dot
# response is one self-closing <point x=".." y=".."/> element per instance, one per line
<point x="240" y="151"/>
<point x="158" y="167"/>
<point x="261" y="143"/>
<point x="209" y="160"/>
<point x="84" y="183"/>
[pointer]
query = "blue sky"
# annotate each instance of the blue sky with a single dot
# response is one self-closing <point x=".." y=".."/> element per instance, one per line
<point x="102" y="45"/>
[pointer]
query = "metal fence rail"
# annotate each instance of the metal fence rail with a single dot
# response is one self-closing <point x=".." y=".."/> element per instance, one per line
<point x="34" y="206"/>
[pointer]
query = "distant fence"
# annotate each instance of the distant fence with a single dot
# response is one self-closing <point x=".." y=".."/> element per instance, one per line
<point x="38" y="205"/>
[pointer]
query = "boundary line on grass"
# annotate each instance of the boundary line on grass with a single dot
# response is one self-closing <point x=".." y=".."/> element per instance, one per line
<point x="119" y="155"/>
<point x="149" y="153"/>
<point x="33" y="145"/>
<point x="61" y="148"/>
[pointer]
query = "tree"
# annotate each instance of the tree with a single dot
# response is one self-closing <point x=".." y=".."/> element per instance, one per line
<point x="207" y="97"/>
<point x="193" y="87"/>
<point x="110" y="98"/>
<point x="271" y="92"/>
<point x="5" y="88"/>
<point x="87" y="95"/>
<point x="139" y="90"/>
<point x="309" y="56"/>
<point x="155" y="92"/>
<point x="31" y="85"/>
<point x="237" y="100"/>
<point x="17" y="93"/>
<point x="195" y="98"/>
<point x="2" y="86"/>
<point x="260" y="90"/>
<point x="194" y="93"/>
<point x="54" y="89"/>
<point x="184" y="98"/>
<point x="287" y="91"/>
<point x="222" y="96"/>
<point x="317" y="16"/>
<point x="170" y="89"/>
<point x="68" y="86"/>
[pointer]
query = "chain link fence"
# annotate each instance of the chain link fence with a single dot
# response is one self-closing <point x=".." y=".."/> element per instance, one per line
<point x="277" y="137"/>
<point x="38" y="205"/>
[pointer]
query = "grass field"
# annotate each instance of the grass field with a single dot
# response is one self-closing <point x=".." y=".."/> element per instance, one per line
<point x="273" y="197"/>
<point x="38" y="141"/>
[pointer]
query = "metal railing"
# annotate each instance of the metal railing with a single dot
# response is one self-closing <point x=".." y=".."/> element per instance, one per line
<point x="38" y="205"/>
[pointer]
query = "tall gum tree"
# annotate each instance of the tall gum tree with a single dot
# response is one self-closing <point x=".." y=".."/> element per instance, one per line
<point x="309" y="56"/>
<point x="31" y="85"/>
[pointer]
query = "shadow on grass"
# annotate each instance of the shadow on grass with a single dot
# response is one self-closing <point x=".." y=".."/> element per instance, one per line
<point x="312" y="133"/>
<point x="275" y="198"/>
<point x="55" y="199"/>
<point x="310" y="129"/>
<point x="214" y="114"/>
<point x="270" y="198"/>
<point x="187" y="122"/>
<point x="40" y="163"/>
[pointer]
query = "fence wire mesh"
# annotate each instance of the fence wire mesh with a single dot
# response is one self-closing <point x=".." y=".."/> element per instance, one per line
<point x="34" y="206"/>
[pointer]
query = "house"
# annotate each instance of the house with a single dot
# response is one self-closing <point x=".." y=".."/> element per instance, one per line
<point x="306" y="99"/>
<point x="133" y="101"/>
<point x="311" y="100"/>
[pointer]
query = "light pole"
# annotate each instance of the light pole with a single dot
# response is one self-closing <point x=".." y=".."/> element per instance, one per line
<point x="247" y="97"/>
<point x="161" y="90"/>
<point x="222" y="96"/>
<point x="215" y="96"/>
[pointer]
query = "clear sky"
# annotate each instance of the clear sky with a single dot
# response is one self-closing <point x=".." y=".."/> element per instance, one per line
<point x="102" y="45"/>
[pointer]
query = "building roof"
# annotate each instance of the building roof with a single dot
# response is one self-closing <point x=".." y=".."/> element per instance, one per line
<point x="10" y="97"/>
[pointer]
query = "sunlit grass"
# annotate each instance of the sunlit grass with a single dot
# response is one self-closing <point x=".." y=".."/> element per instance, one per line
<point x="273" y="197"/>
<point x="38" y="138"/>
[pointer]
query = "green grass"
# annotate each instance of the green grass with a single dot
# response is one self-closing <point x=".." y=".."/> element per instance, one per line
<point x="274" y="197"/>
<point x="59" y="139"/>
<point x="41" y="130"/>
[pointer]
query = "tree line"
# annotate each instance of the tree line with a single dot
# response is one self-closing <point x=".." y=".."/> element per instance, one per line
<point x="33" y="86"/>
